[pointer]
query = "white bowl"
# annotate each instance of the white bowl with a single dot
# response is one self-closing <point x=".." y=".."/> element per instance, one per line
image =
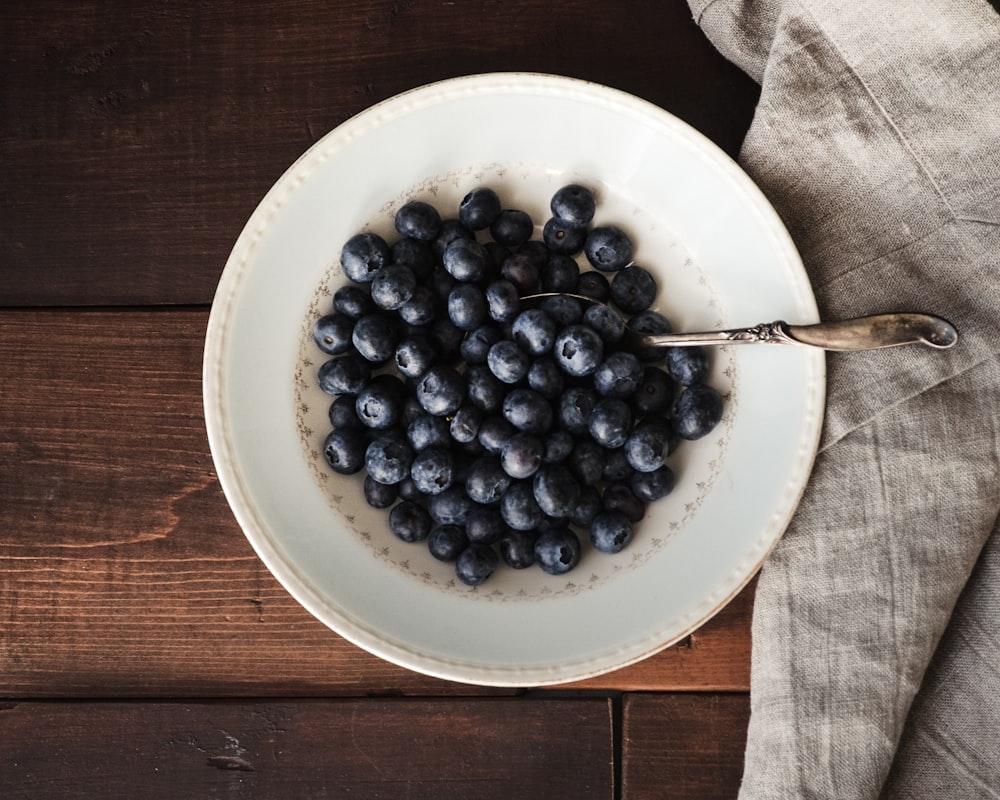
<point x="723" y="259"/>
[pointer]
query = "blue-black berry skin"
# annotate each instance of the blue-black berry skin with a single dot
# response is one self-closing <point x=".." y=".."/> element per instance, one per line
<point x="650" y="321"/>
<point x="518" y="507"/>
<point x="611" y="532"/>
<point x="588" y="459"/>
<point x="467" y="307"/>
<point x="523" y="271"/>
<point x="502" y="301"/>
<point x="558" y="446"/>
<point x="575" y="204"/>
<point x="606" y="321"/>
<point x="545" y="377"/>
<point x="517" y="549"/>
<point x="344" y="450"/>
<point x="633" y="289"/>
<point x="587" y="507"/>
<point x="535" y="331"/>
<point x="343" y="413"/>
<point x="556" y="490"/>
<point x="441" y="390"/>
<point x="521" y="455"/>
<point x="446" y="542"/>
<point x="410" y="521"/>
<point x="563" y="309"/>
<point x="508" y="362"/>
<point x="578" y="350"/>
<point x="686" y="365"/>
<point x="477" y="343"/>
<point x="696" y="411"/>
<point x="428" y="430"/>
<point x="480" y="208"/>
<point x="559" y="274"/>
<point x="363" y="255"/>
<point x="466" y="260"/>
<point x="392" y="286"/>
<point x="652" y="486"/>
<point x="593" y="285"/>
<point x="380" y="495"/>
<point x="451" y="229"/>
<point x="563" y="238"/>
<point x="618" y="375"/>
<point x="464" y="427"/>
<point x="620" y="498"/>
<point x="528" y="411"/>
<point x="415" y="254"/>
<point x="346" y="374"/>
<point x="512" y="227"/>
<point x="486" y="392"/>
<point x="655" y="392"/>
<point x="332" y="333"/>
<point x="433" y="470"/>
<point x="476" y="563"/>
<point x="380" y="404"/>
<point x="575" y="408"/>
<point x="494" y="433"/>
<point x="388" y="459"/>
<point x="647" y="447"/>
<point x="420" y="309"/>
<point x="611" y="422"/>
<point x="353" y="301"/>
<point x="418" y="220"/>
<point x="486" y="481"/>
<point x="608" y="248"/>
<point x="450" y="507"/>
<point x="558" y="550"/>
<point x="484" y="524"/>
<point x="414" y="356"/>
<point x="375" y="338"/>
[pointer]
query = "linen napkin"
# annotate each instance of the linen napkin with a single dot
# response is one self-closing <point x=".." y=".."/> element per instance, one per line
<point x="876" y="630"/>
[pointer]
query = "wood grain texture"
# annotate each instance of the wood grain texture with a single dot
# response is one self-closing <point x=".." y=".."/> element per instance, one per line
<point x="137" y="137"/>
<point x="683" y="746"/>
<point x="476" y="749"/>
<point x="122" y="569"/>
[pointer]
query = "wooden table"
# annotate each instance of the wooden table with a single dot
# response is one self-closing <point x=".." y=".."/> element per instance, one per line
<point x="144" y="649"/>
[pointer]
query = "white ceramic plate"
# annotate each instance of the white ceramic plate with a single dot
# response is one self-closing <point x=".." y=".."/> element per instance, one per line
<point x="723" y="259"/>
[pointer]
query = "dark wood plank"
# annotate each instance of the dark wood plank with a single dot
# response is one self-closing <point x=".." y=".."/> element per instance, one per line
<point x="683" y="746"/>
<point x="477" y="749"/>
<point x="137" y="137"/>
<point x="122" y="570"/>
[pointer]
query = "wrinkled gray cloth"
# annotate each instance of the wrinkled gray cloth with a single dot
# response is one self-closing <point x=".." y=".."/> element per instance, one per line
<point x="876" y="632"/>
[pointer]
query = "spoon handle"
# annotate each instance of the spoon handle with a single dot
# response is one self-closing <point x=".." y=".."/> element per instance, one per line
<point x="862" y="333"/>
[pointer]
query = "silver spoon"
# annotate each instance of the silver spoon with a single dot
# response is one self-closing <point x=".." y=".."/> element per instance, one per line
<point x="863" y="333"/>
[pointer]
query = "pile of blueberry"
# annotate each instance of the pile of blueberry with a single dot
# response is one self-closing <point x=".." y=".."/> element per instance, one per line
<point x="491" y="430"/>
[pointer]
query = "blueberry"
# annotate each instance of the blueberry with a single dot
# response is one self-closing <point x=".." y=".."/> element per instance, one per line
<point x="518" y="507"/>
<point x="575" y="408"/>
<point x="451" y="229"/>
<point x="507" y="361"/>
<point x="354" y="301"/>
<point x="465" y="260"/>
<point x="486" y="481"/>
<point x="433" y="470"/>
<point x="392" y="286"/>
<point x="441" y="391"/>
<point x="633" y="289"/>
<point x="375" y="338"/>
<point x="528" y="411"/>
<point x="467" y="306"/>
<point x="332" y="333"/>
<point x="616" y="466"/>
<point x="479" y="208"/>
<point x="655" y="392"/>
<point x="559" y="274"/>
<point x="535" y="331"/>
<point x="512" y="227"/>
<point x="427" y="431"/>
<point x="651" y="486"/>
<point x="343" y="413"/>
<point x="523" y="271"/>
<point x="521" y="455"/>
<point x="558" y="446"/>
<point x="447" y="336"/>
<point x="606" y="321"/>
<point x="446" y="542"/>
<point x="477" y="343"/>
<point x="650" y="321"/>
<point x="620" y="498"/>
<point x="608" y="248"/>
<point x="564" y="310"/>
<point x="611" y="422"/>
<point x="557" y="550"/>
<point x="696" y="411"/>
<point x="410" y="521"/>
<point x="414" y="356"/>
<point x="586" y="508"/>
<point x="587" y="460"/>
<point x="346" y="374"/>
<point x="486" y="392"/>
<point x="485" y="525"/>
<point x="380" y="495"/>
<point x="494" y="433"/>
<point x="563" y="238"/>
<point x="545" y="377"/>
<point x="344" y="450"/>
<point x="686" y="365"/>
<point x="380" y="404"/>
<point x="418" y="220"/>
<point x="578" y="350"/>
<point x="610" y="532"/>
<point x="450" y="507"/>
<point x="594" y="285"/>
<point x="363" y="255"/>
<point x="408" y="490"/>
<point x="476" y="563"/>
<point x="575" y="204"/>
<point x="647" y="447"/>
<point x="502" y="301"/>
<point x="556" y="490"/>
<point x="420" y="308"/>
<point x="517" y="549"/>
<point x="618" y="375"/>
<point x="415" y="254"/>
<point x="388" y="459"/>
<point x="465" y="424"/>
